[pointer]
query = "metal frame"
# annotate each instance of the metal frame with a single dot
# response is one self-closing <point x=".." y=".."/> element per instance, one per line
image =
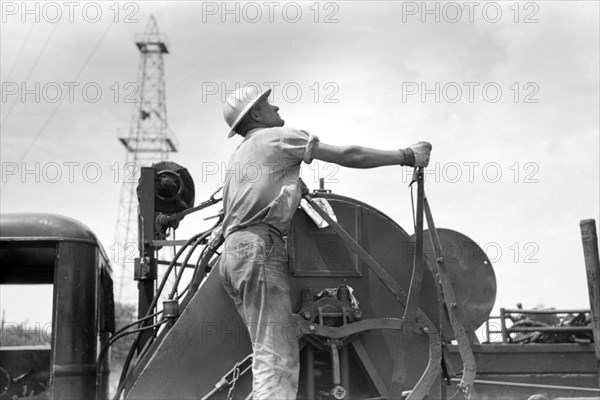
<point x="506" y="313"/>
<point x="412" y="311"/>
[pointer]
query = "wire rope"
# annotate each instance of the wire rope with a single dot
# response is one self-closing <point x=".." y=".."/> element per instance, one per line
<point x="58" y="104"/>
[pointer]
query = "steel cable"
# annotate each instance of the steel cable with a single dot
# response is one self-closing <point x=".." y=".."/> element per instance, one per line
<point x="19" y="53"/>
<point x="58" y="104"/>
<point x="35" y="63"/>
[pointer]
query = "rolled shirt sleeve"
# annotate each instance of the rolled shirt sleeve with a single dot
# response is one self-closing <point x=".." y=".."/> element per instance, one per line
<point x="299" y="144"/>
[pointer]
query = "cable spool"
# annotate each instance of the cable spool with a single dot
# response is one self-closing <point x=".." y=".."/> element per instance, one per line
<point x="319" y="259"/>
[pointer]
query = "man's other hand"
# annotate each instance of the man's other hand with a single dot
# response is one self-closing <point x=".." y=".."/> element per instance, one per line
<point x="422" y="151"/>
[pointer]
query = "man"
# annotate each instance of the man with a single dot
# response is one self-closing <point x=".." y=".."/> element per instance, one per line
<point x="261" y="194"/>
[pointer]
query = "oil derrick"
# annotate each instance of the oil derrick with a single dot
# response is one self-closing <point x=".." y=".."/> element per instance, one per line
<point x="148" y="140"/>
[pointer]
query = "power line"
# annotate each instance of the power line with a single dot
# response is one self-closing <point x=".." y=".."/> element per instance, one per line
<point x="37" y="136"/>
<point x="39" y="56"/>
<point x="20" y="51"/>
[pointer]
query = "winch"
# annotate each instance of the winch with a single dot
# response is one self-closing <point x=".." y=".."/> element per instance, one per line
<point x="349" y="285"/>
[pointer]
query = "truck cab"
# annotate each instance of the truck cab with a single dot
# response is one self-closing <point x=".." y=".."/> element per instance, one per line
<point x="54" y="263"/>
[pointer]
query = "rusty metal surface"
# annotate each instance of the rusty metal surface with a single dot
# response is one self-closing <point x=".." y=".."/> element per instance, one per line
<point x="449" y="306"/>
<point x="75" y="322"/>
<point x="471" y="275"/>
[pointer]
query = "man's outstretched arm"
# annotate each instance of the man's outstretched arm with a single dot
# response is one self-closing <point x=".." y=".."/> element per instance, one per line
<point x="416" y="155"/>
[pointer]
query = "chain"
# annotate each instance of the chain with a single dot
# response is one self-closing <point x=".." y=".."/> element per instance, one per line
<point x="464" y="388"/>
<point x="239" y="369"/>
<point x="234" y="379"/>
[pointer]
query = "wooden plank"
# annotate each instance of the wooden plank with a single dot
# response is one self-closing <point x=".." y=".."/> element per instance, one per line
<point x="530" y="359"/>
<point x="589" y="239"/>
<point x="528" y="348"/>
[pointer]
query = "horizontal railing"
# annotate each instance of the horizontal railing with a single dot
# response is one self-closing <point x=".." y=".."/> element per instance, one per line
<point x="506" y="313"/>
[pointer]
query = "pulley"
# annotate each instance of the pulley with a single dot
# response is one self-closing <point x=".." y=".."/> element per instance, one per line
<point x="174" y="192"/>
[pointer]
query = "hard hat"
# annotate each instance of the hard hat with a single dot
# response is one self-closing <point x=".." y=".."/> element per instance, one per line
<point x="240" y="103"/>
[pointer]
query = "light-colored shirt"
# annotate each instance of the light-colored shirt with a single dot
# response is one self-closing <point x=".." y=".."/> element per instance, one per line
<point x="262" y="178"/>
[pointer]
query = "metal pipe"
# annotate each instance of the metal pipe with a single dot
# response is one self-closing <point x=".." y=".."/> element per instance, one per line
<point x="550" y="329"/>
<point x="503" y="325"/>
<point x="531" y="385"/>
<point x="449" y="304"/>
<point x="309" y="361"/>
<point x="335" y="362"/>
<point x="414" y="291"/>
<point x="165" y="219"/>
<point x="521" y="311"/>
<point x="345" y="369"/>
<point x="491" y="330"/>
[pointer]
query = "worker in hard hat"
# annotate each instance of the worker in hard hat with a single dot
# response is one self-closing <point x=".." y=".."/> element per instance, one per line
<point x="260" y="196"/>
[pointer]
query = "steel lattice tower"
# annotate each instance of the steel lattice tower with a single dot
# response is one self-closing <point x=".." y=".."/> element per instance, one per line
<point x="148" y="140"/>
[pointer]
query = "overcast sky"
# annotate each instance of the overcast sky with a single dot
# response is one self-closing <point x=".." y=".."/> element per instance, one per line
<point x="506" y="92"/>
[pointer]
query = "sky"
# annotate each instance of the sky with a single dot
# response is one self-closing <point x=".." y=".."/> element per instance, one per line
<point x="507" y="93"/>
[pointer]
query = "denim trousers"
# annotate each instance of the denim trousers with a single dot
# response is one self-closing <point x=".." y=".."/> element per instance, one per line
<point x="253" y="271"/>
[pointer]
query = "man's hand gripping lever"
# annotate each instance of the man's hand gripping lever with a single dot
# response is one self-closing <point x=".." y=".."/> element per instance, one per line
<point x="419" y="154"/>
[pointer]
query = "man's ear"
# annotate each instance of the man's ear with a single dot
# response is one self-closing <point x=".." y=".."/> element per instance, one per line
<point x="255" y="115"/>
